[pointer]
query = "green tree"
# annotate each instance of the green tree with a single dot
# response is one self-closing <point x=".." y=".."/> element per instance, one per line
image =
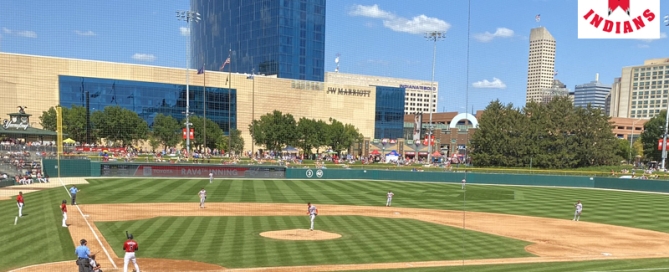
<point x="48" y="119"/>
<point x="119" y="125"/>
<point x="624" y="150"/>
<point x="554" y="134"/>
<point x="166" y="130"/>
<point x="652" y="132"/>
<point x="637" y="148"/>
<point x="74" y="123"/>
<point x="322" y="134"/>
<point x="274" y="130"/>
<point x="154" y="142"/>
<point x="342" y="136"/>
<point x="307" y="135"/>
<point x="237" y="142"/>
<point x="214" y="133"/>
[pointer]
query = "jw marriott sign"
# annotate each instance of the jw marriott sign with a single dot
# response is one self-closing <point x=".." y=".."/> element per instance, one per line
<point x="352" y="92"/>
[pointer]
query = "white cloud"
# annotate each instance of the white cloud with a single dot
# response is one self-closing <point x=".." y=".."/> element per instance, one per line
<point x="144" y="57"/>
<point x="416" y="25"/>
<point x="642" y="46"/>
<point x="85" y="33"/>
<point x="663" y="35"/>
<point x="184" y="31"/>
<point x="496" y="83"/>
<point x="26" y="33"/>
<point x="501" y="32"/>
<point x="20" y="33"/>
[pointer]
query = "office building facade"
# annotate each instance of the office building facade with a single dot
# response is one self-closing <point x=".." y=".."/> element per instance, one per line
<point x="541" y="64"/>
<point x="420" y="95"/>
<point x="284" y="38"/>
<point x="594" y="94"/>
<point x="40" y="83"/>
<point x="642" y="91"/>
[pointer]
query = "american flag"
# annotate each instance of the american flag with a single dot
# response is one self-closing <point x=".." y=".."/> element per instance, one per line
<point x="227" y="61"/>
<point x="537" y="18"/>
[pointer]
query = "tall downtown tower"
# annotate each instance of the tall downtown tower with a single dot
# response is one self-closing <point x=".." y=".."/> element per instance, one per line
<point x="285" y="38"/>
<point x="541" y="65"/>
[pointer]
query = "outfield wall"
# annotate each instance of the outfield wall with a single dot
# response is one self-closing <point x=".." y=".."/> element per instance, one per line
<point x="87" y="168"/>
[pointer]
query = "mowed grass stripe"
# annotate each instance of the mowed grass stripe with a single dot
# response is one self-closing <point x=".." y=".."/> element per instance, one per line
<point x="248" y="191"/>
<point x="39" y="229"/>
<point x="320" y="192"/>
<point x="275" y="193"/>
<point x="363" y="242"/>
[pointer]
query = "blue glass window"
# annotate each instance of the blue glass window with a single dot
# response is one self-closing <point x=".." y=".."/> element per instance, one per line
<point x="148" y="99"/>
<point x="389" y="117"/>
<point x="268" y="37"/>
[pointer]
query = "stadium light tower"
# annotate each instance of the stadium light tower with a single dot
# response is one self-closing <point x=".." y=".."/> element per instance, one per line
<point x="188" y="16"/>
<point x="432" y="36"/>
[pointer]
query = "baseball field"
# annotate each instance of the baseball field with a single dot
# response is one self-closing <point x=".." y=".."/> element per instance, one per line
<point x="262" y="225"/>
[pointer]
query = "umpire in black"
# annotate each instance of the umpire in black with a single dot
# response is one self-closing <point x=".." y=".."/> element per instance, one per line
<point x="83" y="254"/>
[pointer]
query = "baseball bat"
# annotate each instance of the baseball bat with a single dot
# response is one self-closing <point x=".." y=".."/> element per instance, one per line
<point x="126" y="235"/>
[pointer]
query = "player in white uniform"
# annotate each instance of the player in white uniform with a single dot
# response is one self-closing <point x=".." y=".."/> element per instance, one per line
<point x="390" y="198"/>
<point x="463" y="183"/>
<point x="577" y="212"/>
<point x="211" y="177"/>
<point x="312" y="211"/>
<point x="203" y="197"/>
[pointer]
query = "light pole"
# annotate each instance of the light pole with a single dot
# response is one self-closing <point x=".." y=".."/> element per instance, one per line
<point x="253" y="109"/>
<point x="188" y="16"/>
<point x="433" y="36"/>
<point x="632" y="139"/>
<point x="666" y="121"/>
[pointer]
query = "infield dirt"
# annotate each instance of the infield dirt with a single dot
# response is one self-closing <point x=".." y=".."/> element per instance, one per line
<point x="553" y="240"/>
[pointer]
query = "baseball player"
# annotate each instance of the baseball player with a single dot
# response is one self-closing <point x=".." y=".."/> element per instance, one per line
<point x="211" y="177"/>
<point x="130" y="246"/>
<point x="73" y="191"/>
<point x="312" y="211"/>
<point x="390" y="198"/>
<point x="19" y="203"/>
<point x="63" y="208"/>
<point x="203" y="197"/>
<point x="577" y="212"/>
<point x="464" y="182"/>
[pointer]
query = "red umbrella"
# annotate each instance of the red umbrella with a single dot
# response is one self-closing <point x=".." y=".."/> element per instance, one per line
<point x="375" y="152"/>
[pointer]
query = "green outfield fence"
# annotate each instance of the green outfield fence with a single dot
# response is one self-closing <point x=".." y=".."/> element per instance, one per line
<point x="87" y="168"/>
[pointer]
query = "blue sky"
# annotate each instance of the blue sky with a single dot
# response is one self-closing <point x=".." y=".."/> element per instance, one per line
<point x="374" y="37"/>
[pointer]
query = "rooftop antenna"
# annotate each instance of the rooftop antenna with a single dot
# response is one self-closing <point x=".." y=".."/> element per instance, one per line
<point x="337" y="62"/>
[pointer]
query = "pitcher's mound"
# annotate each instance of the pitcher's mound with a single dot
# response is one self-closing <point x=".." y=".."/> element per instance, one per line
<point x="300" y="234"/>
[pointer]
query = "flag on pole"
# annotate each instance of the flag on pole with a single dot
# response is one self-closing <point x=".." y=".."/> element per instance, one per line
<point x="227" y="61"/>
<point x="537" y="18"/>
<point x="201" y="70"/>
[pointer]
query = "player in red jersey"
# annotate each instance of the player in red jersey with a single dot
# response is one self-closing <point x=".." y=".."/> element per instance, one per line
<point x="63" y="208"/>
<point x="19" y="202"/>
<point x="130" y="246"/>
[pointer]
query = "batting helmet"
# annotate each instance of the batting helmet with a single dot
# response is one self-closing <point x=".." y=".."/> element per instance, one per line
<point x="64" y="201"/>
<point x="130" y="236"/>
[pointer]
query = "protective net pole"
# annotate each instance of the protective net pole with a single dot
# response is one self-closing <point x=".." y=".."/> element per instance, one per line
<point x="59" y="136"/>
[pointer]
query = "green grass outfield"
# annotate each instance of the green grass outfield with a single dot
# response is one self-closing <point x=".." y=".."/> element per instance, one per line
<point x="38" y="237"/>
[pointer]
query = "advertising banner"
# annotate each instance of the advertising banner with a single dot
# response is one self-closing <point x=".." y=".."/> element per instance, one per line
<point x="99" y="149"/>
<point x="190" y="171"/>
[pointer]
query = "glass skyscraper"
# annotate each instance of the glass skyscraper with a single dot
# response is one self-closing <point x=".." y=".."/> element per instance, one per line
<point x="389" y="115"/>
<point x="272" y="37"/>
